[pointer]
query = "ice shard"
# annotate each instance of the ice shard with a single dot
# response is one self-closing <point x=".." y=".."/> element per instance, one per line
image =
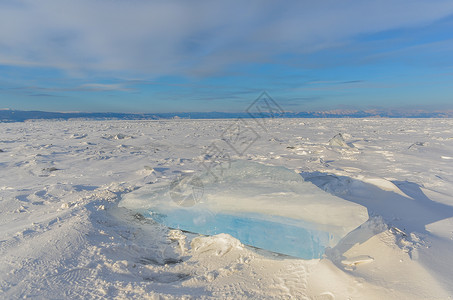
<point x="338" y="141"/>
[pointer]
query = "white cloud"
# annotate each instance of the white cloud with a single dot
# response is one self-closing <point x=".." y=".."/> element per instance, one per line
<point x="189" y="37"/>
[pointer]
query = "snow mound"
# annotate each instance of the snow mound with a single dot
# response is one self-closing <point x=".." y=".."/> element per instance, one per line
<point x="220" y="244"/>
<point x="118" y="136"/>
<point x="264" y="206"/>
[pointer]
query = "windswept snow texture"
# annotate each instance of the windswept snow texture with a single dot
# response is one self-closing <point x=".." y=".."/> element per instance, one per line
<point x="64" y="236"/>
<point x="263" y="206"/>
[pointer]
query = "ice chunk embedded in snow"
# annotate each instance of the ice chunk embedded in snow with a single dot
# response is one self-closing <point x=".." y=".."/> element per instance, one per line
<point x="338" y="141"/>
<point x="264" y="206"/>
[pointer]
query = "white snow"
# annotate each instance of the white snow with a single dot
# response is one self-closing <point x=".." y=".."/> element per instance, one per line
<point x="64" y="235"/>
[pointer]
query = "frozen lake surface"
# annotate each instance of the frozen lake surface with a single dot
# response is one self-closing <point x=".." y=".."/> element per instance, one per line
<point x="70" y="193"/>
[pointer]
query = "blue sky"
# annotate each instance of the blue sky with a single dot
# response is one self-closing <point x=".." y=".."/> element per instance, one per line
<point x="173" y="56"/>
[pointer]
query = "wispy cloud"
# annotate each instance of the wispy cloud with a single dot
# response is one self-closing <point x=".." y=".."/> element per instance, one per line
<point x="92" y="87"/>
<point x="102" y="87"/>
<point x="44" y="95"/>
<point x="197" y="38"/>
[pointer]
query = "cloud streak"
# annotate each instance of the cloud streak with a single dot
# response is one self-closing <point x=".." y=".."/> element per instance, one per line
<point x="196" y="38"/>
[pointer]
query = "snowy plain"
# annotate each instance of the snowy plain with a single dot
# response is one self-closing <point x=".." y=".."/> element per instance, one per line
<point x="65" y="234"/>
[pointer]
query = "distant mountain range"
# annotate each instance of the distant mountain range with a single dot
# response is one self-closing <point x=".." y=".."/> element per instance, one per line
<point x="7" y="115"/>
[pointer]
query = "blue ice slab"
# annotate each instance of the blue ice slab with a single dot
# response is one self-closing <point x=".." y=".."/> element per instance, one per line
<point x="277" y="234"/>
<point x="267" y="207"/>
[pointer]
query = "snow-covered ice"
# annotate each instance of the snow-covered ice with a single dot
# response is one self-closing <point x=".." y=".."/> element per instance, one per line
<point x="65" y="233"/>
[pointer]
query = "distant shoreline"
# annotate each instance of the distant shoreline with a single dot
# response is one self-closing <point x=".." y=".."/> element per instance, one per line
<point x="21" y="116"/>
